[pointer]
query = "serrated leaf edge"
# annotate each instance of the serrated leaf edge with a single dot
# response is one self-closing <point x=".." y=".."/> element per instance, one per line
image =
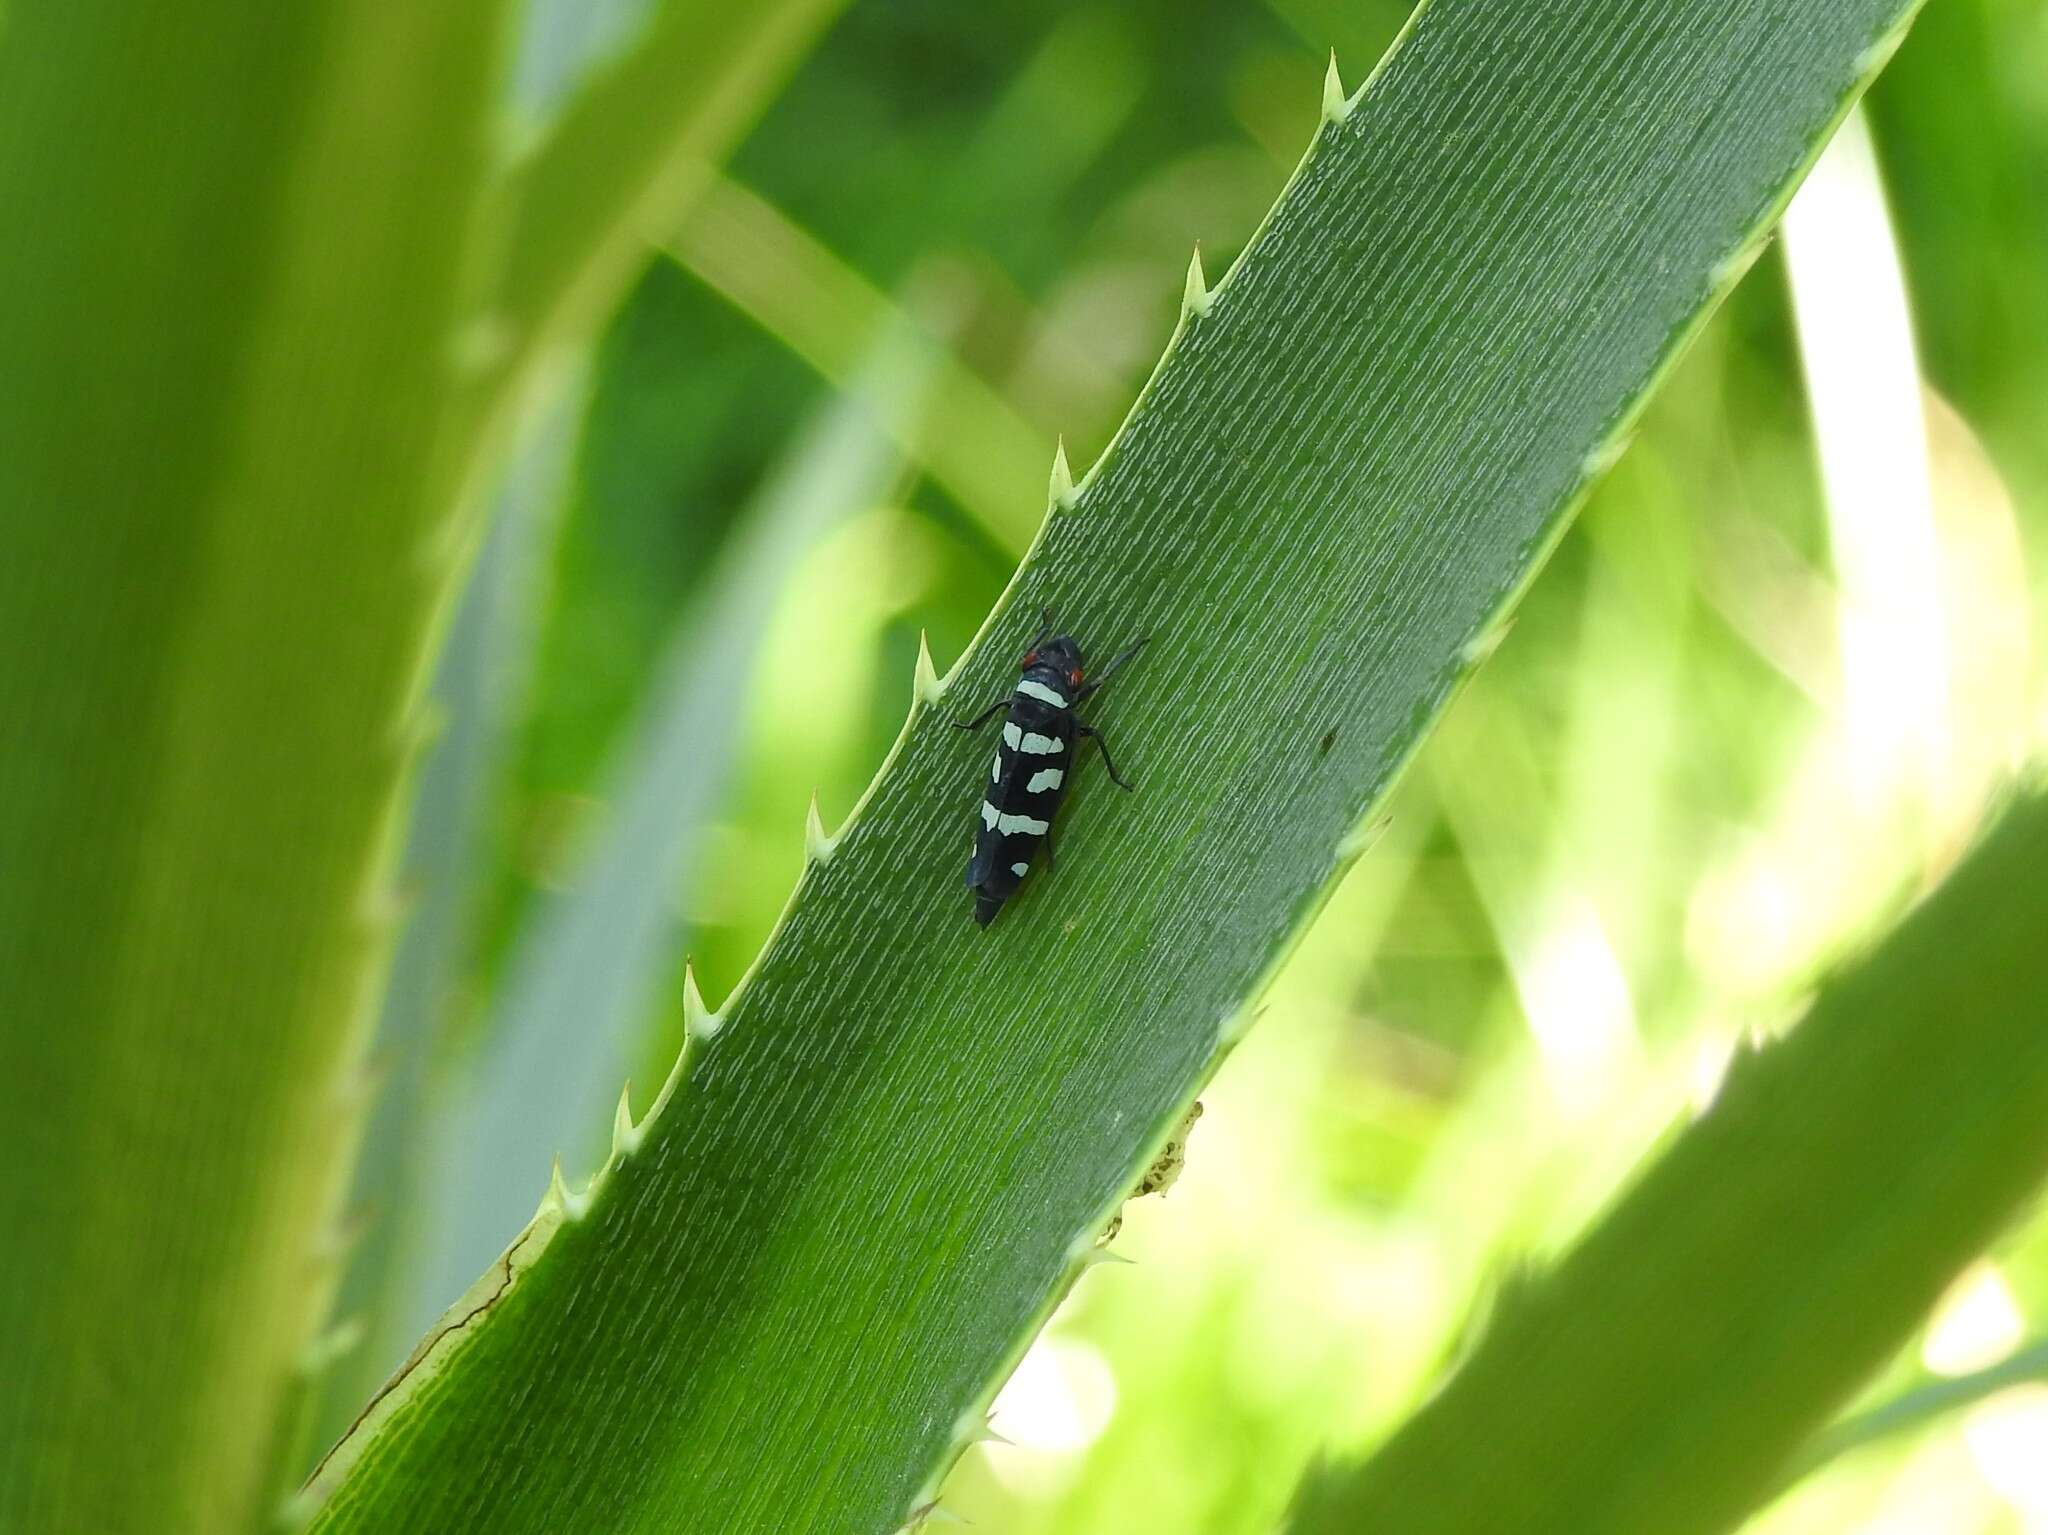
<point x="701" y="1025"/>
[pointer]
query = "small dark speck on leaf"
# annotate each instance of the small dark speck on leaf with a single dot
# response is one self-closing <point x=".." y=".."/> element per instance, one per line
<point x="1329" y="740"/>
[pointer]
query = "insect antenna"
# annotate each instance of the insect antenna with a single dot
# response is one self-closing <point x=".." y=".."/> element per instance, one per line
<point x="1110" y="670"/>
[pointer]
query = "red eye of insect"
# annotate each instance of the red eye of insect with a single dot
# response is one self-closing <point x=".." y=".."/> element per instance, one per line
<point x="1074" y="677"/>
<point x="1030" y="660"/>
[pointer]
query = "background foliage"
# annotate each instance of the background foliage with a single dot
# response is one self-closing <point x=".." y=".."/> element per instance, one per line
<point x="1763" y="695"/>
<point x="1631" y="844"/>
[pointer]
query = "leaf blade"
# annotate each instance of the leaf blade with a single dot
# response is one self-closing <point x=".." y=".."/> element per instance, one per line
<point x="626" y="153"/>
<point x="1666" y="1374"/>
<point x="214" y="619"/>
<point x="895" y="1152"/>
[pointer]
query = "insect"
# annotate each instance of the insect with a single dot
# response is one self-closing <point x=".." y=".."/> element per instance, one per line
<point x="1028" y="778"/>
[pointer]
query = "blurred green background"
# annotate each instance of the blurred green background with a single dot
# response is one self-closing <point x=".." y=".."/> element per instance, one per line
<point x="1762" y="692"/>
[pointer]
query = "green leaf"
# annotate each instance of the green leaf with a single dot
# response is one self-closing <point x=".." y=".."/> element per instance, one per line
<point x="623" y="158"/>
<point x="232" y="283"/>
<point x="1667" y="1373"/>
<point x="1917" y="1408"/>
<point x="787" y="1302"/>
<point x="479" y="675"/>
<point x="585" y="967"/>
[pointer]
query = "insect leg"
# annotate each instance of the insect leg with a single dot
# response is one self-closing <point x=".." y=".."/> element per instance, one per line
<point x="1103" y="747"/>
<point x="1110" y="670"/>
<point x="983" y="718"/>
<point x="1048" y="850"/>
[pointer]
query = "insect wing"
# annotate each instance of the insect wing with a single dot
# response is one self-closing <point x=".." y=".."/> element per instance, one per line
<point x="988" y="848"/>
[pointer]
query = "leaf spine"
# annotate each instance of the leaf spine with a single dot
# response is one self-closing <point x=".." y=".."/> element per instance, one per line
<point x="1605" y="455"/>
<point x="1097" y="1255"/>
<point x="925" y="687"/>
<point x="1236" y="1023"/>
<point x="1061" y="493"/>
<point x="1195" y="298"/>
<point x="1480" y="648"/>
<point x="1336" y="107"/>
<point x="1360" y="839"/>
<point x="818" y="847"/>
<point x="1088" y="1249"/>
<point x="699" y="1022"/>
<point x="974" y="1428"/>
<point x="1733" y="267"/>
<point x="625" y="1134"/>
<point x="1879" y="53"/>
<point x="569" y="1206"/>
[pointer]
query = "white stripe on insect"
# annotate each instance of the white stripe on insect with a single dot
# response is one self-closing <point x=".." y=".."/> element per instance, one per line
<point x="1010" y="825"/>
<point x="989" y="815"/>
<point x="1020" y="869"/>
<point x="1012" y="736"/>
<point x="1042" y="693"/>
<point x="1037" y="745"/>
<point x="995" y="769"/>
<point x="1043" y="779"/>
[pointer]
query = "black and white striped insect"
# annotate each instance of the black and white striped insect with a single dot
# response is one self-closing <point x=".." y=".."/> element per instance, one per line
<point x="1028" y="778"/>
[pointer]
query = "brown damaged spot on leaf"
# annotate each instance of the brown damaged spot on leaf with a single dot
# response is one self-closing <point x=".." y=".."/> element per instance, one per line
<point x="1165" y="1172"/>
